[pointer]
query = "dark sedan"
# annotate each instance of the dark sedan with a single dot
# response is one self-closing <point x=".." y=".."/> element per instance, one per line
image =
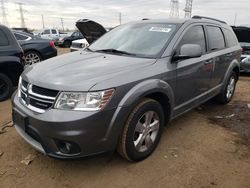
<point x="67" y="41"/>
<point x="35" y="48"/>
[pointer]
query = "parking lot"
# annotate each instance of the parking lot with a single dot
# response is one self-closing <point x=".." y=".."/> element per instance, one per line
<point x="207" y="147"/>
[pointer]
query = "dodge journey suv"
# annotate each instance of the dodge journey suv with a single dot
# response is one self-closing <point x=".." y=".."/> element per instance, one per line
<point x="119" y="93"/>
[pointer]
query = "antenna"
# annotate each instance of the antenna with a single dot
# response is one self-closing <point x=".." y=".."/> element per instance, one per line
<point x="21" y="14"/>
<point x="188" y="8"/>
<point x="174" y="12"/>
<point x="4" y="15"/>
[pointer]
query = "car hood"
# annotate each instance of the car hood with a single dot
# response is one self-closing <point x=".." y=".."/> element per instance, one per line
<point x="80" y="71"/>
<point x="90" y="29"/>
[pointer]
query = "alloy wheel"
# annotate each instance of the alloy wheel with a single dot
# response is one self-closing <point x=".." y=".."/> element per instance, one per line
<point x="231" y="87"/>
<point x="32" y="58"/>
<point x="146" y="131"/>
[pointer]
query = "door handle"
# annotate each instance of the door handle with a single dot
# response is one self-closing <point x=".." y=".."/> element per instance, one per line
<point x="209" y="61"/>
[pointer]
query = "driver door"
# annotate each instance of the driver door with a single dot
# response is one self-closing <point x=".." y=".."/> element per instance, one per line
<point x="193" y="74"/>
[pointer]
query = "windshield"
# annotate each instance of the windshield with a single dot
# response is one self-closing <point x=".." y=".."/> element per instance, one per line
<point x="140" y="39"/>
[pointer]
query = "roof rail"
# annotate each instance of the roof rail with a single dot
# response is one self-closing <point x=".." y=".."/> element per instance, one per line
<point x="200" y="17"/>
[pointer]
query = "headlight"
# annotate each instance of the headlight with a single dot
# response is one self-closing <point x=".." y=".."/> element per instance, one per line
<point x="91" y="101"/>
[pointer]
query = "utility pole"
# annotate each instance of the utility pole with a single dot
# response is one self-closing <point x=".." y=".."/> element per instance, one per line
<point x="120" y="18"/>
<point x="62" y="24"/>
<point x="174" y="12"/>
<point x="235" y="19"/>
<point x="4" y="15"/>
<point x="21" y="14"/>
<point x="43" y="21"/>
<point x="188" y="8"/>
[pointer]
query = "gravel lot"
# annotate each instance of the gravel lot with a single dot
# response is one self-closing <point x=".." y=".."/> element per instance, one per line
<point x="207" y="147"/>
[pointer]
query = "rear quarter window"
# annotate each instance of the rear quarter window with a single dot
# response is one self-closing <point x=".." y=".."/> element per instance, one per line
<point x="3" y="39"/>
<point x="230" y="38"/>
<point x="215" y="38"/>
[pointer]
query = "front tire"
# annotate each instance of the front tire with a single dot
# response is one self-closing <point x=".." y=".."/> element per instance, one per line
<point x="228" y="92"/>
<point x="142" y="131"/>
<point x="6" y="87"/>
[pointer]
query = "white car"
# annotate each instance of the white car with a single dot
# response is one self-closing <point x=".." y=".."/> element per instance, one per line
<point x="51" y="34"/>
<point x="79" y="45"/>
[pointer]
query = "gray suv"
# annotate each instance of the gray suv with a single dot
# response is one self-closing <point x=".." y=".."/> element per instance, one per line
<point x="120" y="92"/>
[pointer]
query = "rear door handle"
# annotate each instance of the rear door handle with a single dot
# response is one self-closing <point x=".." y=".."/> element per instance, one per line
<point x="209" y="61"/>
<point x="229" y="55"/>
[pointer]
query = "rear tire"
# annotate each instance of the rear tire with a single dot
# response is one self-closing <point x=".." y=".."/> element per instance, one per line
<point x="6" y="87"/>
<point x="142" y="131"/>
<point x="228" y="92"/>
<point x="32" y="57"/>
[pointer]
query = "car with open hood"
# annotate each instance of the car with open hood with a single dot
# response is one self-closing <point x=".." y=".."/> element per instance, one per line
<point x="120" y="92"/>
<point x="243" y="35"/>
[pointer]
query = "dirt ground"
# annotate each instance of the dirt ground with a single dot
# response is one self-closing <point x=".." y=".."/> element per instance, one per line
<point x="207" y="147"/>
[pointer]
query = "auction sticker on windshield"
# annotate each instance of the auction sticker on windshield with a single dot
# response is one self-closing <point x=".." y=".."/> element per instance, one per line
<point x="160" y="29"/>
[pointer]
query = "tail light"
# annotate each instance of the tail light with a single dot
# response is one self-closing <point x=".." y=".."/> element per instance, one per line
<point x="242" y="50"/>
<point x="52" y="44"/>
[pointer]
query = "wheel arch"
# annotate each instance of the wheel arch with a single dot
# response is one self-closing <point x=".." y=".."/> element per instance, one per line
<point x="155" y="89"/>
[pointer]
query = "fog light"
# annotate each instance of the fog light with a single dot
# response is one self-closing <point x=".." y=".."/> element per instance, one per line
<point x="68" y="148"/>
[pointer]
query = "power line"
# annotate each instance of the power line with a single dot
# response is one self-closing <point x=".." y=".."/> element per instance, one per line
<point x="188" y="8"/>
<point x="4" y="15"/>
<point x="174" y="12"/>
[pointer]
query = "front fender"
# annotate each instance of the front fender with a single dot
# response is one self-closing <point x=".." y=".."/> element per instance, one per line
<point x="131" y="99"/>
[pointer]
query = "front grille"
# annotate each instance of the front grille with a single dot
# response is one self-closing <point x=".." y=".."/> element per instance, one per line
<point x="37" y="98"/>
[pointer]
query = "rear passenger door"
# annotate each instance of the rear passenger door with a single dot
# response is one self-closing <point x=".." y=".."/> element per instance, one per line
<point x="216" y="49"/>
<point x="194" y="74"/>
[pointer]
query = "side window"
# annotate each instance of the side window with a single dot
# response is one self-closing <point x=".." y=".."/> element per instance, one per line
<point x="230" y="38"/>
<point x="215" y="38"/>
<point x="54" y="31"/>
<point x="3" y="39"/>
<point x="195" y="35"/>
<point x="46" y="31"/>
<point x="20" y="37"/>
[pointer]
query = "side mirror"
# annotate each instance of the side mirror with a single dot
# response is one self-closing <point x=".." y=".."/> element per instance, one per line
<point x="188" y="51"/>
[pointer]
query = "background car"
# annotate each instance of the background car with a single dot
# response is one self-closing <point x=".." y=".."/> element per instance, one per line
<point x="35" y="48"/>
<point x="67" y="40"/>
<point x="243" y="35"/>
<point x="51" y="34"/>
<point x="11" y="62"/>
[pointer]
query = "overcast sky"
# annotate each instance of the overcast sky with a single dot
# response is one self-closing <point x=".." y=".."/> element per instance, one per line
<point x="106" y="11"/>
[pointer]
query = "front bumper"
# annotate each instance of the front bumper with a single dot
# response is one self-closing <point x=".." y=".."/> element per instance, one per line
<point x="75" y="49"/>
<point x="90" y="133"/>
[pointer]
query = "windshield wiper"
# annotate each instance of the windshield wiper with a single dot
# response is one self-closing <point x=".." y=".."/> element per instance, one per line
<point x="115" y="51"/>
